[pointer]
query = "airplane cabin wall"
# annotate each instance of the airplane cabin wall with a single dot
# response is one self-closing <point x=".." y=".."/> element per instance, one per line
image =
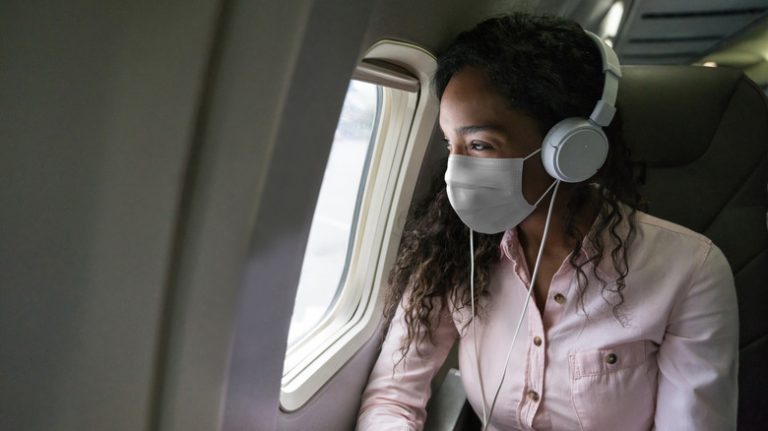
<point x="98" y="101"/>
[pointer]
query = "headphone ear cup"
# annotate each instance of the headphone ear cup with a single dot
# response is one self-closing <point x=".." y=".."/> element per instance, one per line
<point x="573" y="150"/>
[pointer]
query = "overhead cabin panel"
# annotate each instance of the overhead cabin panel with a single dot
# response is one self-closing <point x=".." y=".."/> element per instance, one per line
<point x="666" y="47"/>
<point x="675" y="32"/>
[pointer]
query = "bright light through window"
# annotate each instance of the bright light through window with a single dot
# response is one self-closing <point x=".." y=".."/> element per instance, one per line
<point x="333" y="225"/>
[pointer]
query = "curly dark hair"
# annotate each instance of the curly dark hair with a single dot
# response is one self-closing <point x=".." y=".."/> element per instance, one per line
<point x="549" y="69"/>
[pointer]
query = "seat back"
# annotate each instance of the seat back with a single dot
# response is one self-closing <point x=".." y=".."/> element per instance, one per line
<point x="700" y="137"/>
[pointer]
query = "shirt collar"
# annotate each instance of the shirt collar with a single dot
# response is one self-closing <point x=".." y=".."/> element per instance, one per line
<point x="511" y="249"/>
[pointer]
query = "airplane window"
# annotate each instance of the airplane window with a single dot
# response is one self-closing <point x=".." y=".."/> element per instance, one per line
<point x="381" y="136"/>
<point x="333" y="226"/>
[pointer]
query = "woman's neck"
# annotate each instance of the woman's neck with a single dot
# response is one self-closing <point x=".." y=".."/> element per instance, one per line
<point x="531" y="230"/>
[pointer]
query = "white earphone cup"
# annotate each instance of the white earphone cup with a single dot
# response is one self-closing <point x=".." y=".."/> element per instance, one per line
<point x="573" y="150"/>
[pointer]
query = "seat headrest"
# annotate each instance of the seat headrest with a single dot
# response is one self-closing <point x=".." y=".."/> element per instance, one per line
<point x="689" y="105"/>
<point x="702" y="134"/>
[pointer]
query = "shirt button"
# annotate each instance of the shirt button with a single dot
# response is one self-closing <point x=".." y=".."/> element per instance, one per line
<point x="537" y="341"/>
<point x="559" y="298"/>
<point x="533" y="395"/>
<point x="611" y="358"/>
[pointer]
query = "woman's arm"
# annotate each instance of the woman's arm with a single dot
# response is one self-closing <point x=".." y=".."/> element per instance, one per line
<point x="698" y="359"/>
<point x="396" y="395"/>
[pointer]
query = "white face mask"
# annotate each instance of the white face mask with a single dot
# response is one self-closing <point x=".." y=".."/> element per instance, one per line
<point x="487" y="194"/>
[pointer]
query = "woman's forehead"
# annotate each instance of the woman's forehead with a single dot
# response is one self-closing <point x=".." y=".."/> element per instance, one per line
<point x="469" y="97"/>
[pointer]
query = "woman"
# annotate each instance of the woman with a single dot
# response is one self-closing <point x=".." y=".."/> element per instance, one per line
<point x="632" y="321"/>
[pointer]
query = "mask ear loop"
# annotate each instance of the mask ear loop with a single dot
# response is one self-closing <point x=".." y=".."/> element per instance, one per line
<point x="487" y="417"/>
<point x="538" y="150"/>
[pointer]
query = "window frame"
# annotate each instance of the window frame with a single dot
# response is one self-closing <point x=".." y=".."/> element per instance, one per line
<point x="331" y="314"/>
<point x="405" y="123"/>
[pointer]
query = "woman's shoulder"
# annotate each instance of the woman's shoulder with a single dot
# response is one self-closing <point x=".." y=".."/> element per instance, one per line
<point x="662" y="239"/>
<point x="660" y="228"/>
<point x="677" y="263"/>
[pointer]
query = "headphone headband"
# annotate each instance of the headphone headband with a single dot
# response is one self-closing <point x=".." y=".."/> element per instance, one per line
<point x="575" y="148"/>
<point x="606" y="106"/>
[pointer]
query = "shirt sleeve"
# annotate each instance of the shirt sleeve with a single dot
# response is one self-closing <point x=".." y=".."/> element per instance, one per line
<point x="698" y="358"/>
<point x="397" y="393"/>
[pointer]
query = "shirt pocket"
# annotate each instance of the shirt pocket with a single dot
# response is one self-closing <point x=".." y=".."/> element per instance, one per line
<point x="615" y="387"/>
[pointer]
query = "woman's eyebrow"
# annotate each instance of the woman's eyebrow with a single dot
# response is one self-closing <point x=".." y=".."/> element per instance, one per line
<point x="465" y="130"/>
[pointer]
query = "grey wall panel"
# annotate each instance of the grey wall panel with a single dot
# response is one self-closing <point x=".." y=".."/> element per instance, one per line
<point x="97" y="102"/>
<point x="335" y="406"/>
<point x="325" y="60"/>
<point x="256" y="53"/>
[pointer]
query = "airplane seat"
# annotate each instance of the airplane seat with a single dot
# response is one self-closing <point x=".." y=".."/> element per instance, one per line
<point x="699" y="139"/>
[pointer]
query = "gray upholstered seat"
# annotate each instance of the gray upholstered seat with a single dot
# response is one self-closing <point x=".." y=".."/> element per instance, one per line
<point x="702" y="136"/>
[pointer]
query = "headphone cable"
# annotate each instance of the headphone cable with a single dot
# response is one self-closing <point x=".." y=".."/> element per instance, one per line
<point x="487" y="415"/>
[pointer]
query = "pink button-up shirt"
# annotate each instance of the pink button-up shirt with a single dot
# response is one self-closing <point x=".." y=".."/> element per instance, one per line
<point x="669" y="363"/>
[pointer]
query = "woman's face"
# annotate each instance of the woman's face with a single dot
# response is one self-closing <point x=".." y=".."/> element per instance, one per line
<point x="477" y="122"/>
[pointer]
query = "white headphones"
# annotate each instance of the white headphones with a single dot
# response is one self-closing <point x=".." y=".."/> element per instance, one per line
<point x="575" y="148"/>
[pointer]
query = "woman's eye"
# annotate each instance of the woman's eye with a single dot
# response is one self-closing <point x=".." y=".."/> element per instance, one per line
<point x="479" y="146"/>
